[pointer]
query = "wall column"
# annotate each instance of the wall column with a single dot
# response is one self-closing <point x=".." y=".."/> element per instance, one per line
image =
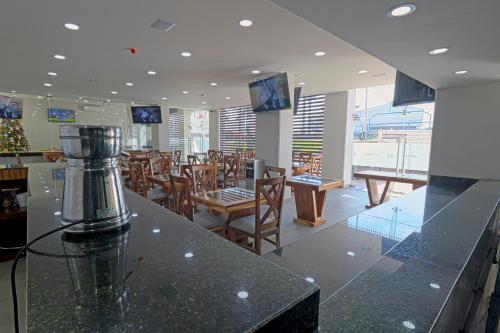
<point x="213" y="129"/>
<point x="338" y="135"/>
<point x="163" y="130"/>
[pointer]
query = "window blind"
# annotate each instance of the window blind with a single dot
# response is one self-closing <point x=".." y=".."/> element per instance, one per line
<point x="237" y="129"/>
<point x="308" y="126"/>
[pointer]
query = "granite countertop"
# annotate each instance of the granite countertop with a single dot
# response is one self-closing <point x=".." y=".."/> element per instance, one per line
<point x="401" y="265"/>
<point x="161" y="273"/>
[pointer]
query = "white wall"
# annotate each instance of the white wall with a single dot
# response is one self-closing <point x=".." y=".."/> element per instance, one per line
<point x="466" y="133"/>
<point x="338" y="135"/>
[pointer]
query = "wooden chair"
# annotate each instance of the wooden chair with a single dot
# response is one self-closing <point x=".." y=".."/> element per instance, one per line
<point x="140" y="184"/>
<point x="212" y="154"/>
<point x="192" y="160"/>
<point x="146" y="162"/>
<point x="201" y="156"/>
<point x="267" y="219"/>
<point x="316" y="161"/>
<point x="305" y="158"/>
<point x="135" y="154"/>
<point x="271" y="171"/>
<point x="177" y="159"/>
<point x="220" y="157"/>
<point x="165" y="154"/>
<point x="163" y="166"/>
<point x="231" y="171"/>
<point x="181" y="196"/>
<point x="203" y="178"/>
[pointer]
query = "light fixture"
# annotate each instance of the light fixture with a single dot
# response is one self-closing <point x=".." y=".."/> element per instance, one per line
<point x="309" y="279"/>
<point x="350" y="253"/>
<point x="319" y="53"/>
<point x="85" y="101"/>
<point x="130" y="84"/>
<point x="164" y="98"/>
<point x="228" y="98"/>
<point x="362" y="71"/>
<point x="401" y="10"/>
<point x="47" y="84"/>
<point x="246" y="23"/>
<point x="461" y="72"/>
<point x="255" y="71"/>
<point x="301" y="83"/>
<point x="185" y="92"/>
<point x="114" y="92"/>
<point x="188" y="255"/>
<point x="151" y="72"/>
<point x="47" y="191"/>
<point x="214" y="84"/>
<point x="39" y="97"/>
<point x="409" y="325"/>
<point x="134" y="215"/>
<point x="156" y="230"/>
<point x="57" y="213"/>
<point x="13" y="91"/>
<point x="186" y="54"/>
<point x="52" y="73"/>
<point x="440" y="50"/>
<point x="242" y="294"/>
<point x="434" y="285"/>
<point x="59" y="56"/>
<point x="203" y="102"/>
<point x="71" y="26"/>
<point x="80" y="97"/>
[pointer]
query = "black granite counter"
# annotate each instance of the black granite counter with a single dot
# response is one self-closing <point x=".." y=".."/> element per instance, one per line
<point x="160" y="274"/>
<point x="412" y="264"/>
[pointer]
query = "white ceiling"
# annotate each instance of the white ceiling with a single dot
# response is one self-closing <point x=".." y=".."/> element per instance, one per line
<point x="31" y="32"/>
<point x="470" y="28"/>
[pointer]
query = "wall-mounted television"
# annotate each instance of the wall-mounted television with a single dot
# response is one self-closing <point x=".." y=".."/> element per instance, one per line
<point x="61" y="115"/>
<point x="146" y="114"/>
<point x="11" y="107"/>
<point x="270" y="94"/>
<point x="409" y="91"/>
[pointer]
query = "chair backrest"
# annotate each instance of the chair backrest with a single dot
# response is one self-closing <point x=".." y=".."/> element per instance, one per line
<point x="177" y="157"/>
<point x="201" y="156"/>
<point x="164" y="165"/>
<point x="181" y="196"/>
<point x="231" y="170"/>
<point x="316" y="161"/>
<point x="250" y="153"/>
<point x="203" y="178"/>
<point x="146" y="162"/>
<point x="220" y="156"/>
<point x="192" y="160"/>
<point x="272" y="189"/>
<point x="305" y="158"/>
<point x="165" y="154"/>
<point x="138" y="178"/>
<point x="271" y="171"/>
<point x="212" y="154"/>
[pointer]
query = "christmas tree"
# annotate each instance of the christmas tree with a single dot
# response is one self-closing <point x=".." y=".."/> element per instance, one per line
<point x="12" y="137"/>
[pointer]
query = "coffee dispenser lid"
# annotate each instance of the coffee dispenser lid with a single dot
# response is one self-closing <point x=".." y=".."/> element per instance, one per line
<point x="89" y="131"/>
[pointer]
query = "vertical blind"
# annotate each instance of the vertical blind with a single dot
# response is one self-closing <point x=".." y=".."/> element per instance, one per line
<point x="237" y="128"/>
<point x="308" y="126"/>
<point x="178" y="120"/>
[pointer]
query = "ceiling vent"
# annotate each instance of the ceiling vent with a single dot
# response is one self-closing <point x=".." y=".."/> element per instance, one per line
<point x="92" y="108"/>
<point x="162" y="25"/>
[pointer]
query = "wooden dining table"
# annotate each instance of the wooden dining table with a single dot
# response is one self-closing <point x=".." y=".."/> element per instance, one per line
<point x="234" y="202"/>
<point x="310" y="197"/>
<point x="372" y="176"/>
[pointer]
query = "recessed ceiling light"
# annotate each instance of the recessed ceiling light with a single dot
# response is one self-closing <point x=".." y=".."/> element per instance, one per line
<point x="203" y="102"/>
<point x="242" y="294"/>
<point x="214" y="84"/>
<point x="130" y="84"/>
<point x="434" y="285"/>
<point x="85" y="101"/>
<point x="440" y="50"/>
<point x="47" y="84"/>
<point x="71" y="26"/>
<point x="186" y="54"/>
<point x="188" y="255"/>
<point x="255" y="71"/>
<point x="401" y="10"/>
<point x="302" y="83"/>
<point x="151" y="72"/>
<point x="13" y="91"/>
<point x="362" y="71"/>
<point x="409" y="325"/>
<point x="309" y="279"/>
<point x="114" y="92"/>
<point x="164" y="98"/>
<point x="461" y="72"/>
<point x="60" y="57"/>
<point x="52" y="73"/>
<point x="319" y="53"/>
<point x="228" y="97"/>
<point x="39" y="97"/>
<point x="185" y="92"/>
<point x="246" y="23"/>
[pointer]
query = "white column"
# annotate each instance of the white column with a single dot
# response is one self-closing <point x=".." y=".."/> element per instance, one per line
<point x="213" y="129"/>
<point x="338" y="135"/>
<point x="163" y="131"/>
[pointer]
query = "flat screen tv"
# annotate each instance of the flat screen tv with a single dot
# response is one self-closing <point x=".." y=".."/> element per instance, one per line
<point x="146" y="114"/>
<point x="11" y="107"/>
<point x="270" y="94"/>
<point x="409" y="91"/>
<point x="61" y="115"/>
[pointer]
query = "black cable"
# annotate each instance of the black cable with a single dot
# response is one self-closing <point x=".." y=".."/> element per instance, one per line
<point x="14" y="265"/>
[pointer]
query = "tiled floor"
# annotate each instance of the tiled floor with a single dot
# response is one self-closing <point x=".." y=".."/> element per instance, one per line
<point x="341" y="204"/>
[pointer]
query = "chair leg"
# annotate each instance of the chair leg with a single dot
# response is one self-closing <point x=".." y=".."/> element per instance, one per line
<point x="257" y="244"/>
<point x="278" y="240"/>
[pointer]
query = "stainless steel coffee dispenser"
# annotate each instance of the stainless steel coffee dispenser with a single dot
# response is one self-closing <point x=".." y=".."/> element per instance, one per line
<point x="93" y="188"/>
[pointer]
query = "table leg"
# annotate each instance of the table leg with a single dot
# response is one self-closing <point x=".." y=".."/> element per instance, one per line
<point x="310" y="205"/>
<point x="373" y="195"/>
<point x="386" y="194"/>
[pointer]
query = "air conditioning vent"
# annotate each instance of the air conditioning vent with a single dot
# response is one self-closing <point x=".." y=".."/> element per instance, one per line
<point x="92" y="108"/>
<point x="162" y="25"/>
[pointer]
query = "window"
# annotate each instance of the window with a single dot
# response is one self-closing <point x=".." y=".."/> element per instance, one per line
<point x="188" y="131"/>
<point x="308" y="126"/>
<point x="237" y="129"/>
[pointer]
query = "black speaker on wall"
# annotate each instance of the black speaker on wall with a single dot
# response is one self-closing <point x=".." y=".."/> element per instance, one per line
<point x="296" y="98"/>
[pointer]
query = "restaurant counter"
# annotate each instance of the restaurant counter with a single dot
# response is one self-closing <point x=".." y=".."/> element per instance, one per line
<point x="417" y="263"/>
<point x="162" y="273"/>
